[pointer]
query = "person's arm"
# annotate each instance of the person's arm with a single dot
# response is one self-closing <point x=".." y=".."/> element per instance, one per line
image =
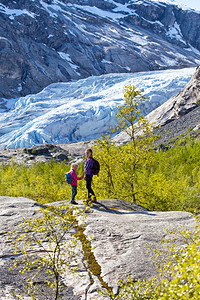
<point x="84" y="174"/>
<point x="80" y="178"/>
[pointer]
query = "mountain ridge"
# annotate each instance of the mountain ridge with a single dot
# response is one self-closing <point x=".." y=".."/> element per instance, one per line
<point x="58" y="41"/>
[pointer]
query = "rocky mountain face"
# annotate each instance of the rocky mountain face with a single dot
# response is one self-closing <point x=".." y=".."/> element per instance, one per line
<point x="180" y="104"/>
<point x="46" y="41"/>
<point x="177" y="116"/>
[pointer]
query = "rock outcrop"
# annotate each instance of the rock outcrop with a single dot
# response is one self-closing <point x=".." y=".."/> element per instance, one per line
<point x="178" y="115"/>
<point x="72" y="152"/>
<point x="42" y="42"/>
<point x="41" y="153"/>
<point x="180" y="104"/>
<point x="120" y="233"/>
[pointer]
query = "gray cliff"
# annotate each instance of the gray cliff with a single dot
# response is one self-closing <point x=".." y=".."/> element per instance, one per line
<point x="48" y="41"/>
<point x="180" y="115"/>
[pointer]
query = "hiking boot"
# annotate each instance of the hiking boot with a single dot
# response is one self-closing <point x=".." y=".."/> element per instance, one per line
<point x="74" y="202"/>
<point x="94" y="199"/>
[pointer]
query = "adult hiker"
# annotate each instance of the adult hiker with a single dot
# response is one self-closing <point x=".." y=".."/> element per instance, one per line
<point x="88" y="175"/>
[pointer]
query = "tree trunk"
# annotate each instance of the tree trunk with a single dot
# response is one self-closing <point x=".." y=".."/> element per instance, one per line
<point x="133" y="193"/>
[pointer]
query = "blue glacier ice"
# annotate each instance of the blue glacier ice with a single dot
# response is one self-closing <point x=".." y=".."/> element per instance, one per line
<point x="84" y="109"/>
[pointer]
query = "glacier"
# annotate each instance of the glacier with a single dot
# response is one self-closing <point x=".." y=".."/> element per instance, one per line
<point x="84" y="109"/>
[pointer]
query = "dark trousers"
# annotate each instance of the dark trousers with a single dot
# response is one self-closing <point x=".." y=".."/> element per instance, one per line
<point x="74" y="192"/>
<point x="88" y="185"/>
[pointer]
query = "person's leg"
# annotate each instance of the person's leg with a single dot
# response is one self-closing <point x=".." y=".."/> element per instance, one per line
<point x="74" y="192"/>
<point x="88" y="186"/>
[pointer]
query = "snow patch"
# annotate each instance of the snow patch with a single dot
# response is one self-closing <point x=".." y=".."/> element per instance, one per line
<point x="106" y="61"/>
<point x="12" y="13"/>
<point x="99" y="12"/>
<point x="174" y="32"/>
<point x="66" y="56"/>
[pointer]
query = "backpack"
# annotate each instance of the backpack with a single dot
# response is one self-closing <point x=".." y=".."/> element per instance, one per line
<point x="95" y="167"/>
<point x="68" y="178"/>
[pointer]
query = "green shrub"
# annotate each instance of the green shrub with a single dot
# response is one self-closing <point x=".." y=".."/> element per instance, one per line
<point x="44" y="182"/>
<point x="198" y="102"/>
<point x="168" y="180"/>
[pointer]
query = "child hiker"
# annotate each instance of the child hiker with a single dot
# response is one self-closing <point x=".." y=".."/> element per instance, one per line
<point x="75" y="178"/>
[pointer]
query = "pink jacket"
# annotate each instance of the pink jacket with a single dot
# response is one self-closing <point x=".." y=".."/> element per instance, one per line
<point x="75" y="178"/>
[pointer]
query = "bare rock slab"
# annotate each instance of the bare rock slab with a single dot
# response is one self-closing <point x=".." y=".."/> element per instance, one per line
<point x="119" y="233"/>
<point x="122" y="234"/>
<point x="12" y="212"/>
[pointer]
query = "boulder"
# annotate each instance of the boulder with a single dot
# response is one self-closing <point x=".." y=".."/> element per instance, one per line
<point x="60" y="156"/>
<point x="121" y="235"/>
<point x="40" y="150"/>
